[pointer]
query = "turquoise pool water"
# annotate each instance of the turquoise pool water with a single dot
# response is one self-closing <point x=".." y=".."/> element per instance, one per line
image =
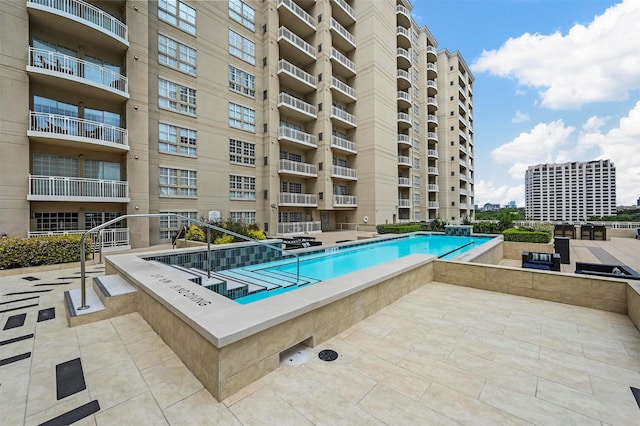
<point x="334" y="261"/>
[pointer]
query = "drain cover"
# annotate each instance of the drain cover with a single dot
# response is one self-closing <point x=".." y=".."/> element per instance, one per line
<point x="328" y="355"/>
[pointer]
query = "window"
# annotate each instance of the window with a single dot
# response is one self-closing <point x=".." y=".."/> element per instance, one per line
<point x="416" y="163"/>
<point x="178" y="14"/>
<point x="242" y="187"/>
<point x="93" y="219"/>
<point x="54" y="221"/>
<point x="241" y="12"/>
<point x="291" y="187"/>
<point x="176" y="97"/>
<point x="416" y="200"/>
<point x="247" y="217"/>
<point x="416" y="181"/>
<point x="242" y="117"/>
<point x="169" y="224"/>
<point x="176" y="140"/>
<point x="178" y="182"/>
<point x="96" y="169"/>
<point x="242" y="47"/>
<point x="242" y="82"/>
<point x="241" y="152"/>
<point x="176" y="55"/>
<point x="289" y="217"/>
<point x="52" y="165"/>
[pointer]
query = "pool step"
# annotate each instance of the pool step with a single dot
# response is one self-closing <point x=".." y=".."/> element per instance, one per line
<point x="108" y="297"/>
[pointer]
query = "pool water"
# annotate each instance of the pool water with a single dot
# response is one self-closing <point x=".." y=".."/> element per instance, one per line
<point x="334" y="262"/>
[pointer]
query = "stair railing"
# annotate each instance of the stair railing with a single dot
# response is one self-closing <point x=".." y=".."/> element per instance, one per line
<point x="208" y="226"/>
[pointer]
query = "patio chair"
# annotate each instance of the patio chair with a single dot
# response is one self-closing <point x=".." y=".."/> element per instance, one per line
<point x="637" y="233"/>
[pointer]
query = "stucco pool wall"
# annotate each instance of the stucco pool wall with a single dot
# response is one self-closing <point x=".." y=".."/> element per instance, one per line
<point x="228" y="345"/>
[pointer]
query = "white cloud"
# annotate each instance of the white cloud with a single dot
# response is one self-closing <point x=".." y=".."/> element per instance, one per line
<point x="520" y="117"/>
<point x="532" y="148"/>
<point x="593" y="63"/>
<point x="488" y="192"/>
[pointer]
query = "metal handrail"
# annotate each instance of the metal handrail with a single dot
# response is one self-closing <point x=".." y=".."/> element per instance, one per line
<point x="83" y="275"/>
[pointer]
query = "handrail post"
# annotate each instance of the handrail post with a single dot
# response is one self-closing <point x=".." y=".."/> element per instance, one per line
<point x="83" y="275"/>
<point x="208" y="253"/>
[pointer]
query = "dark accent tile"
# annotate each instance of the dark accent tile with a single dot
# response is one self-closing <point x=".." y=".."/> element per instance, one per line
<point x="74" y="415"/>
<point x="16" y="339"/>
<point x="14" y="358"/>
<point x="68" y="278"/>
<point x="46" y="314"/>
<point x="30" y="278"/>
<point x="69" y="378"/>
<point x="15" y="293"/>
<point x="636" y="395"/>
<point x="19" y="300"/>
<point x="15" y="321"/>
<point x="18" y="308"/>
<point x="62" y="283"/>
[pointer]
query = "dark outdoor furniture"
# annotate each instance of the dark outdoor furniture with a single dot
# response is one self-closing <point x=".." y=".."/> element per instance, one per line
<point x="561" y="246"/>
<point x="599" y="232"/>
<point x="586" y="231"/>
<point x="564" y="230"/>
<point x="543" y="261"/>
<point x="604" y="270"/>
<point x="300" y="242"/>
<point x="637" y="233"/>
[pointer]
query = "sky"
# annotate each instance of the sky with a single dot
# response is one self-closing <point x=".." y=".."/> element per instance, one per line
<point x="555" y="81"/>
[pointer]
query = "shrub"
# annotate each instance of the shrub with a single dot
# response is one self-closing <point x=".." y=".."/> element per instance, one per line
<point x="257" y="234"/>
<point x="195" y="233"/>
<point x="251" y="231"/>
<point x="487" y="228"/>
<point x="526" y="235"/>
<point x="49" y="250"/>
<point x="225" y="239"/>
<point x="397" y="229"/>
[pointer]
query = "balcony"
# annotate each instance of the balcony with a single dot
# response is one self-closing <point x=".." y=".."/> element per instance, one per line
<point x="343" y="144"/>
<point x="344" y="201"/>
<point x="463" y="177"/>
<point x="433" y="188"/>
<point x="404" y="120"/>
<point x="432" y="71"/>
<point x="292" y="46"/>
<point x="343" y="172"/>
<point x="405" y="140"/>
<point x="296" y="107"/>
<point x="462" y="134"/>
<point x="76" y="16"/>
<point x="432" y="87"/>
<point x="296" y="17"/>
<point x="342" y="65"/>
<point x="463" y="191"/>
<point x="297" y="168"/>
<point x="70" y="131"/>
<point x="404" y="79"/>
<point x="434" y="205"/>
<point x="342" y="91"/>
<point x="298" y="227"/>
<point x="462" y="163"/>
<point x="403" y="37"/>
<point x="462" y="148"/>
<point x="343" y="117"/>
<point x="404" y="203"/>
<point x="343" y="12"/>
<point x="58" y="188"/>
<point x="403" y="16"/>
<point x="404" y="182"/>
<point x="343" y="39"/>
<point x="297" y="200"/>
<point x="297" y="137"/>
<point x="463" y="206"/>
<point x="403" y="160"/>
<point x="432" y="101"/>
<point x="432" y="170"/>
<point x="101" y="241"/>
<point x="432" y="118"/>
<point x="403" y="58"/>
<point x="295" y="78"/>
<point x="432" y="153"/>
<point x="68" y="72"/>
<point x="432" y="53"/>
<point x="404" y="100"/>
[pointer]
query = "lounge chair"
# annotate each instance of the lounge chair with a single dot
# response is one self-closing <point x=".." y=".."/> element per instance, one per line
<point x="543" y="261"/>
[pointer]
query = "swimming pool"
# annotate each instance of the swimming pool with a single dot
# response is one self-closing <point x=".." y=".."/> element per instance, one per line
<point x="333" y="262"/>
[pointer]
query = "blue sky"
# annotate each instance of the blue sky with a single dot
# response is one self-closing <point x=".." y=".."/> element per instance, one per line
<point x="555" y="81"/>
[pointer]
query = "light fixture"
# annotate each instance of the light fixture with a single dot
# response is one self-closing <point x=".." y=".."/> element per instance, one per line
<point x="136" y="156"/>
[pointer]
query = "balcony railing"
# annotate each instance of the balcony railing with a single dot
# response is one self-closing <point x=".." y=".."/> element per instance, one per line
<point x="433" y="153"/>
<point x="342" y="143"/>
<point x="348" y="9"/>
<point x="463" y="206"/>
<point x="432" y="118"/>
<point x="88" y="14"/>
<point x="432" y="135"/>
<point x="298" y="227"/>
<point x="432" y="67"/>
<point x="77" y="69"/>
<point x="343" y="115"/>
<point x="463" y="191"/>
<point x="344" y="201"/>
<point x="295" y="103"/>
<point x="61" y="126"/>
<point x="432" y="101"/>
<point x="297" y="136"/>
<point x="462" y="148"/>
<point x="404" y="74"/>
<point x="116" y="237"/>
<point x="404" y="181"/>
<point x="335" y="25"/>
<point x="432" y="170"/>
<point x="431" y="49"/>
<point x="297" y="167"/>
<point x="343" y="60"/>
<point x="293" y="199"/>
<point x="404" y="32"/>
<point x="404" y="160"/>
<point x="284" y="33"/>
<point x="433" y="188"/>
<point x="432" y="83"/>
<point x="434" y="205"/>
<point x="403" y="116"/>
<point x="404" y="203"/>
<point x="404" y="53"/>
<point x="343" y="87"/>
<point x="403" y="10"/>
<point x="404" y="96"/>
<point x="343" y="172"/>
<point x="298" y="11"/>
<point x="404" y="139"/>
<point x="292" y="70"/>
<point x="463" y="134"/>
<point x="58" y="188"/>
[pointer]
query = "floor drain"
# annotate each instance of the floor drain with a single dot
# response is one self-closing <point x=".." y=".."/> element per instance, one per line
<point x="328" y="355"/>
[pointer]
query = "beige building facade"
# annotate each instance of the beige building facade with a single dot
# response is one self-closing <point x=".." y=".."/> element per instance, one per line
<point x="298" y="116"/>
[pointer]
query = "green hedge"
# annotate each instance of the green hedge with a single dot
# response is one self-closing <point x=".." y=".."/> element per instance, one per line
<point x="397" y="229"/>
<point x="24" y="252"/>
<point x="526" y="235"/>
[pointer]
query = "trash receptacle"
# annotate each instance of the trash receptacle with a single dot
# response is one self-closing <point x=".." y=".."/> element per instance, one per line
<point x="561" y="246"/>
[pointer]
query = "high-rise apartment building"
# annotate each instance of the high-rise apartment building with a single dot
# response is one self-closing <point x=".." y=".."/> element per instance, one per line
<point x="296" y="115"/>
<point x="570" y="192"/>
